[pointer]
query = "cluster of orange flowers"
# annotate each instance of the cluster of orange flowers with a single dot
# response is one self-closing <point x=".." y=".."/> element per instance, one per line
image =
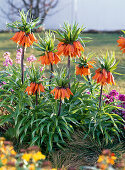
<point x="34" y="87"/>
<point x="49" y="58"/>
<point x="72" y="50"/>
<point x="103" y="77"/>
<point x="29" y="158"/>
<point x="61" y="93"/>
<point x="121" y="43"/>
<point x="84" y="70"/>
<point x="26" y="40"/>
<point x="106" y="159"/>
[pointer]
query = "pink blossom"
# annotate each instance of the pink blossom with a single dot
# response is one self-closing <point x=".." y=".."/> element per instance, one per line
<point x="4" y="82"/>
<point x="41" y="69"/>
<point x="8" y="61"/>
<point x="32" y="58"/>
<point x="18" y="56"/>
<point x="6" y="55"/>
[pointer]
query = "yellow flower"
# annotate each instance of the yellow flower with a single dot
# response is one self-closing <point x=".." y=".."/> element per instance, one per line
<point x="101" y="158"/>
<point x="38" y="156"/>
<point x="3" y="159"/>
<point x="13" y="152"/>
<point x="26" y="156"/>
<point x="1" y="140"/>
<point x="31" y="167"/>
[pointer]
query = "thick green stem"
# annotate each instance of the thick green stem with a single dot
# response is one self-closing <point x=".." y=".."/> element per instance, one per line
<point x="22" y="66"/>
<point x="100" y="97"/>
<point x="60" y="104"/>
<point x="36" y="98"/>
<point x="68" y="70"/>
<point x="51" y="76"/>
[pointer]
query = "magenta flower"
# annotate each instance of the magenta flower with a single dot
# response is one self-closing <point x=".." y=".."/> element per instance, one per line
<point x="88" y="92"/>
<point x="114" y="93"/>
<point x="121" y="97"/>
<point x="32" y="58"/>
<point x="4" y="82"/>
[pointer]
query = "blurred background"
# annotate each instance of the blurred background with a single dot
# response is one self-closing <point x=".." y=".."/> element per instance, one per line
<point x="93" y="14"/>
<point x="103" y="21"/>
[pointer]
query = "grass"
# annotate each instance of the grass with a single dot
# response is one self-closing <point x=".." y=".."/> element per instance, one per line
<point x="101" y="42"/>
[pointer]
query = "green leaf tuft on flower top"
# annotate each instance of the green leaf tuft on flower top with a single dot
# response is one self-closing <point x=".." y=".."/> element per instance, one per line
<point x="24" y="24"/>
<point x="69" y="34"/>
<point x="108" y="61"/>
<point x="46" y="44"/>
<point x="61" y="79"/>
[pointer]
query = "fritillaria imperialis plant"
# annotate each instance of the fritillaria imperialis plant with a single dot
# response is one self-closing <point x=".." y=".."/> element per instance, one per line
<point x="24" y="36"/>
<point x="70" y="43"/>
<point x="61" y="91"/>
<point x="49" y="55"/>
<point x="103" y="76"/>
<point x="35" y="78"/>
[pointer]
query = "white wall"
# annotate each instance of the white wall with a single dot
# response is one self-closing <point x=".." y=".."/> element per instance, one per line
<point x="94" y="14"/>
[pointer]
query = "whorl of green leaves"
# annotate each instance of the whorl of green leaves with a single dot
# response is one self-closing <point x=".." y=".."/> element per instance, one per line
<point x="35" y="74"/>
<point x="108" y="61"/>
<point x="24" y="24"/>
<point x="84" y="60"/>
<point x="61" y="79"/>
<point x="46" y="44"/>
<point x="69" y="34"/>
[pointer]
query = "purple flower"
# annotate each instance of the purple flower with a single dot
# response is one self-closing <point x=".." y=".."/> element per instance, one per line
<point x="88" y="92"/>
<point x="6" y="55"/>
<point x="8" y="61"/>
<point x="11" y="90"/>
<point x="4" y="82"/>
<point x="114" y="93"/>
<point x="121" y="97"/>
<point x="18" y="56"/>
<point x="41" y="69"/>
<point x="32" y="58"/>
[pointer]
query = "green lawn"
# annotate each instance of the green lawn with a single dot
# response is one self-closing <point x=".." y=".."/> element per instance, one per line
<point x="101" y="42"/>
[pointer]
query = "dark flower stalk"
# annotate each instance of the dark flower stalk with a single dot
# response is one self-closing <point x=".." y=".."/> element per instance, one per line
<point x="68" y="70"/>
<point x="88" y="80"/>
<point x="100" y="97"/>
<point x="60" y="104"/>
<point x="51" y="76"/>
<point x="22" y="66"/>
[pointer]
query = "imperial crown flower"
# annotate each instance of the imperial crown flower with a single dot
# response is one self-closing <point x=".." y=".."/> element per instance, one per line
<point x="83" y="67"/>
<point x="34" y="87"/>
<point x="46" y="46"/>
<point x="24" y="36"/>
<point x="107" y="66"/>
<point x="70" y="43"/>
<point x="61" y="92"/>
<point x="103" y="77"/>
<point x="121" y="43"/>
